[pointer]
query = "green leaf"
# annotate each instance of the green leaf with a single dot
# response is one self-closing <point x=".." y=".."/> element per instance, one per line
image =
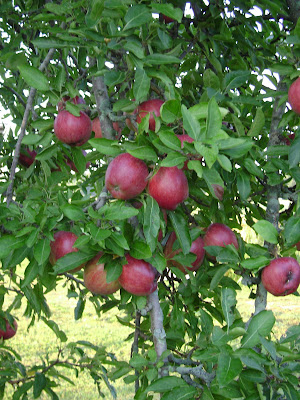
<point x="218" y="276"/>
<point x="151" y="223"/>
<point x="257" y="124"/>
<point x="181" y="229"/>
<point x="173" y="159"/>
<point x="78" y="311"/>
<point x="71" y="261"/>
<point x="292" y="230"/>
<point x="72" y="212"/>
<point x="170" y="111"/>
<point x="190" y="124"/>
<point x="137" y="15"/>
<point x="200" y="111"/>
<point x="211" y="80"/>
<point x="255" y="263"/>
<point x="34" y="78"/>
<point x="210" y="154"/>
<point x="182" y="393"/>
<point x="9" y="243"/>
<point x="243" y="184"/>
<point x="224" y="162"/>
<point x="253" y="168"/>
<point x="228" y="302"/>
<point x="138" y="361"/>
<point x="94" y="12"/>
<point x="228" y="368"/>
<point x="146" y="153"/>
<point x="212" y="177"/>
<point x="113" y="270"/>
<point x="260" y="325"/>
<point x="117" y="211"/>
<point x="170" y="139"/>
<point x="106" y="146"/>
<point x="42" y="250"/>
<point x="79" y="159"/>
<point x="294" y="152"/>
<point x="165" y="384"/>
<point x="235" y="79"/>
<point x="30" y="274"/>
<point x="169" y="10"/>
<point x="214" y="119"/>
<point x="39" y="384"/>
<point x="47" y="153"/>
<point x="266" y="230"/>
<point x="54" y="327"/>
<point x="140" y="250"/>
<point x="141" y="85"/>
<point x="235" y="148"/>
<point x="161" y="59"/>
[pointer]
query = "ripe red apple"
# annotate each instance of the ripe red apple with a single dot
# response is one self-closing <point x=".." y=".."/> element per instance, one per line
<point x="294" y="96"/>
<point x="138" y="277"/>
<point x="27" y="157"/>
<point x="287" y="140"/>
<point x="62" y="245"/>
<point x="96" y="127"/>
<point x="71" y="129"/>
<point x="75" y="100"/>
<point x="282" y="276"/>
<point x="186" y="138"/>
<point x="167" y="19"/>
<point x="149" y="106"/>
<point x="169" y="187"/>
<point x="126" y="176"/>
<point x="219" y="235"/>
<point x="298" y="246"/>
<point x="9" y="331"/>
<point x="196" y="248"/>
<point x="94" y="277"/>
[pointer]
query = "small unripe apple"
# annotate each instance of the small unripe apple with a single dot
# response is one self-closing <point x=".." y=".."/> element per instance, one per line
<point x="197" y="248"/>
<point x="138" y="277"/>
<point x="62" y="245"/>
<point x="96" y="127"/>
<point x="169" y="187"/>
<point x="75" y="100"/>
<point x="282" y="276"/>
<point x="9" y="331"/>
<point x="149" y="106"/>
<point x="219" y="235"/>
<point x="126" y="176"/>
<point x="27" y="157"/>
<point x="294" y="95"/>
<point x="94" y="276"/>
<point x="72" y="130"/>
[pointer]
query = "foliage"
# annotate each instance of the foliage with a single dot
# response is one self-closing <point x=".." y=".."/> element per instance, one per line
<point x="213" y="68"/>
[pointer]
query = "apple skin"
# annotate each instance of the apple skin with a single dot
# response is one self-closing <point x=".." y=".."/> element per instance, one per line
<point x="9" y="331"/>
<point x="62" y="245"/>
<point x="219" y="235"/>
<point x="167" y="19"/>
<point x="96" y="127"/>
<point x="186" y="138"/>
<point x="294" y="96"/>
<point x="298" y="246"/>
<point x="27" y="157"/>
<point x="219" y="191"/>
<point x="149" y="106"/>
<point x="282" y="276"/>
<point x="126" y="176"/>
<point x="169" y="187"/>
<point x="197" y="248"/>
<point x="75" y="100"/>
<point x="287" y="140"/>
<point x="94" y="277"/>
<point x="72" y="130"/>
<point x="138" y="277"/>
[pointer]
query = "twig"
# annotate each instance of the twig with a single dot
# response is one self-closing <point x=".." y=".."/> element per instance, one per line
<point x="72" y="277"/>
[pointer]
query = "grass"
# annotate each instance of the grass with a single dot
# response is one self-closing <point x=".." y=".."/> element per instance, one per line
<point x="35" y="343"/>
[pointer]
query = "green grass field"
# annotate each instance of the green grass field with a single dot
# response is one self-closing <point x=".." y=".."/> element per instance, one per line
<point x="35" y="343"/>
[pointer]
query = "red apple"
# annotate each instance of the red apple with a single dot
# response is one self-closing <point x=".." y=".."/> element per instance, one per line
<point x="27" y="157"/>
<point x="71" y="129"/>
<point x="282" y="276"/>
<point x="138" y="277"/>
<point x="219" y="191"/>
<point x="62" y="104"/>
<point x="298" y="246"/>
<point x="96" y="127"/>
<point x="94" y="277"/>
<point x="287" y="140"/>
<point x="219" y="235"/>
<point x="167" y="19"/>
<point x="149" y="106"/>
<point x="9" y="331"/>
<point x="294" y="96"/>
<point x="126" y="177"/>
<point x="169" y="187"/>
<point x="62" y="245"/>
<point x="196" y="248"/>
<point x="186" y="138"/>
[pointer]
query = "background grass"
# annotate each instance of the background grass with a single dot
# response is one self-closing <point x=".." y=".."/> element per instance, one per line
<point x="39" y="340"/>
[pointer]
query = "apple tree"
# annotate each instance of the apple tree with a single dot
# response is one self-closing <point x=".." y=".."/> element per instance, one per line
<point x="145" y="135"/>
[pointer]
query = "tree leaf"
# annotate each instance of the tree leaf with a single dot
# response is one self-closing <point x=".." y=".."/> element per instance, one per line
<point x="228" y="302"/>
<point x="42" y="250"/>
<point x="243" y="184"/>
<point x="106" y="146"/>
<point x="34" y="77"/>
<point x="137" y="15"/>
<point x="165" y="384"/>
<point x="190" y="124"/>
<point x="151" y="223"/>
<point x="182" y="393"/>
<point x="170" y="140"/>
<point x="140" y="250"/>
<point x="260" y="325"/>
<point x="228" y="368"/>
<point x="266" y="230"/>
<point x="170" y="111"/>
<point x="181" y="229"/>
<point x="141" y="84"/>
<point x="74" y="213"/>
<point x="214" y="119"/>
<point x="71" y="261"/>
<point x="257" y="124"/>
